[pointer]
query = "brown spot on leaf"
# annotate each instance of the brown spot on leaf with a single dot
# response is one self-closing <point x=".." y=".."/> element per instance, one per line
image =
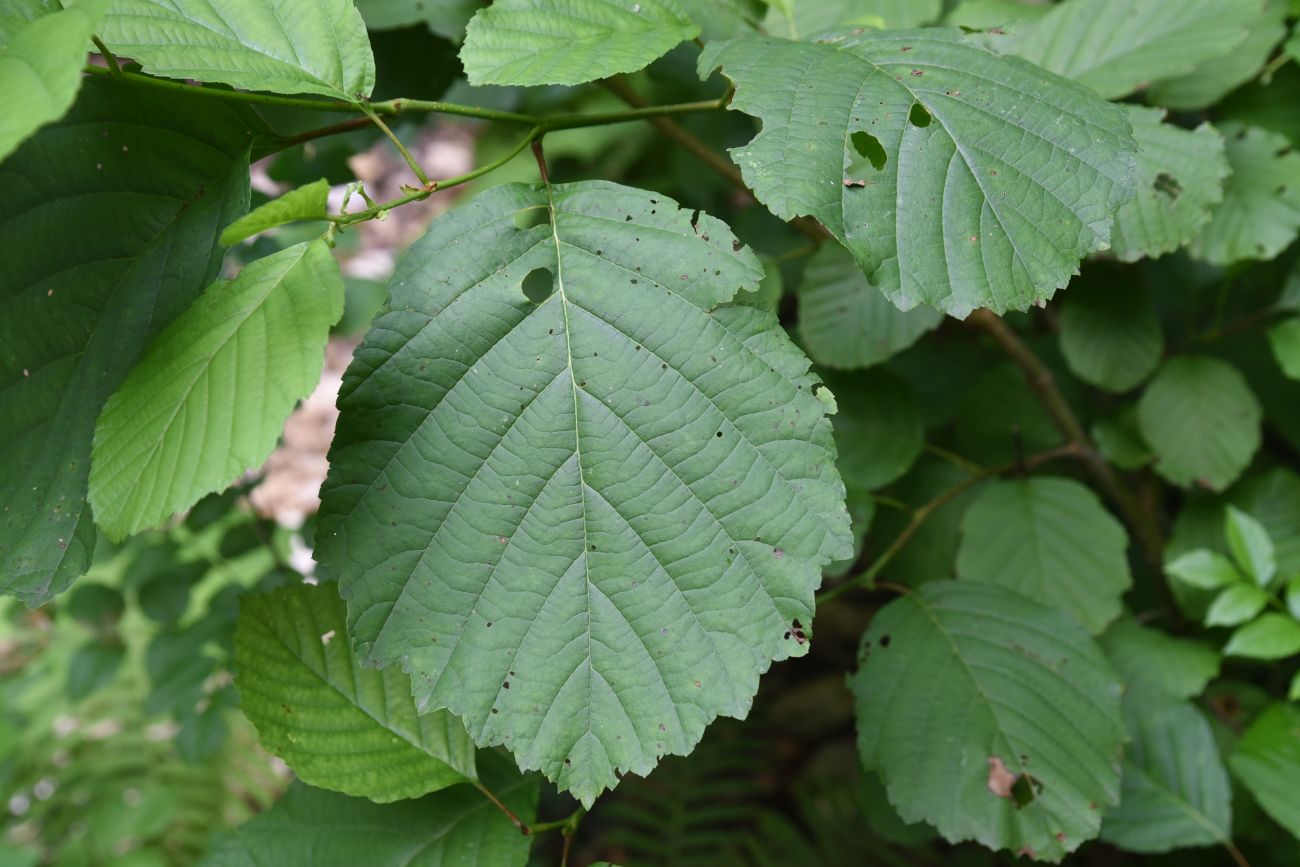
<point x="1000" y="779"/>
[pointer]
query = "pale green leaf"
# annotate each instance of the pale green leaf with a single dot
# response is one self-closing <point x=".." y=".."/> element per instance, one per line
<point x="446" y="18"/>
<point x="15" y="15"/>
<point x="1215" y="78"/>
<point x="337" y="725"/>
<point x="1005" y="15"/>
<point x="587" y="522"/>
<point x="878" y="430"/>
<point x="1267" y="761"/>
<point x="1259" y="216"/>
<point x="1110" y="333"/>
<point x="958" y="178"/>
<point x="1050" y="540"/>
<point x="800" y="19"/>
<point x="40" y="71"/>
<point x="1250" y="546"/>
<point x="1293" y="597"/>
<point x="845" y="322"/>
<point x="1117" y="46"/>
<point x="1027" y="690"/>
<point x="282" y="46"/>
<point x="1236" y="604"/>
<point x="1271" y="636"/>
<point x="1121" y="441"/>
<point x="314" y="828"/>
<point x="209" y="399"/>
<point x="1204" y="569"/>
<point x="1149" y="660"/>
<point x="1202" y="420"/>
<point x="1284" y="338"/>
<point x="532" y="42"/>
<point x="81" y="303"/>
<point x="307" y="202"/>
<point x="1273" y="498"/>
<point x="1180" y="175"/>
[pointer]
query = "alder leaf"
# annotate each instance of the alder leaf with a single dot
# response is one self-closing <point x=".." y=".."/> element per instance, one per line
<point x="845" y="322"/>
<point x="532" y="42"/>
<point x="799" y="19"/>
<point x="308" y="202"/>
<point x="40" y="71"/>
<point x="1110" y="333"/>
<point x="1051" y="540"/>
<point x="180" y="170"/>
<point x="1117" y="46"/>
<point x="968" y="689"/>
<point x="209" y="399"/>
<point x="1180" y="175"/>
<point x="337" y="725"/>
<point x="282" y="46"/>
<point x="957" y="177"/>
<point x="582" y="503"/>
<point x="878" y="430"/>
<point x="1267" y="762"/>
<point x="1148" y="659"/>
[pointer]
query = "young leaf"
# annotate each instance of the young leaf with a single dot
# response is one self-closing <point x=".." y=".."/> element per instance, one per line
<point x="1202" y="420"/>
<point x="1237" y="604"/>
<point x="1260" y="212"/>
<point x="1204" y="569"/>
<point x="845" y="322"/>
<point x="1110" y="334"/>
<point x="1272" y="636"/>
<point x="315" y="828"/>
<point x="1284" y="338"/>
<point x="282" y="46"/>
<point x="586" y="522"/>
<point x="1149" y="660"/>
<point x="1051" y="540"/>
<point x="1034" y="753"/>
<point x="878" y="431"/>
<point x="1117" y="46"/>
<point x="338" y="725"/>
<point x="1267" y="762"/>
<point x="307" y="202"/>
<point x="40" y="71"/>
<point x="532" y="42"/>
<point x="956" y="177"/>
<point x="1250" y="546"/>
<point x="209" y="399"/>
<point x="180" y="171"/>
<point x="1180" y="175"/>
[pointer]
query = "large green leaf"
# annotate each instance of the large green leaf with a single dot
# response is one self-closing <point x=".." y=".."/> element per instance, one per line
<point x="878" y="430"/>
<point x="1051" y="540"/>
<point x="964" y="685"/>
<point x="1260" y="212"/>
<point x="845" y="322"/>
<point x="956" y="177"/>
<point x="315" y="828"/>
<point x="570" y="41"/>
<point x="338" y="725"/>
<point x="1267" y="761"/>
<point x="799" y="19"/>
<point x="1117" y="46"/>
<point x="1180" y="176"/>
<point x="15" y="15"/>
<point x="1202" y="421"/>
<point x="208" y="401"/>
<point x="40" y="71"/>
<point x="284" y="46"/>
<point x="1110" y="333"/>
<point x="579" y="501"/>
<point x="81" y="303"/>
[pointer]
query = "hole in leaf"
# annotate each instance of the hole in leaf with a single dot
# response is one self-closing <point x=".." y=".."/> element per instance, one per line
<point x="919" y="116"/>
<point x="538" y="285"/>
<point x="1167" y="184"/>
<point x="535" y="215"/>
<point x="869" y="147"/>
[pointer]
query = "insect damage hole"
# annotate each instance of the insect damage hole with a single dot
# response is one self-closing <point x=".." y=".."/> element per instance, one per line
<point x="534" y="215"/>
<point x="919" y="116"/>
<point x="1167" y="184"/>
<point x="538" y="285"/>
<point x="870" y="148"/>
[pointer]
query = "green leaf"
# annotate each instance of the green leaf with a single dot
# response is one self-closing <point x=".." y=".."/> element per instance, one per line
<point x="958" y="178"/>
<point x="1237" y="604"/>
<point x="1215" y="78"/>
<point x="315" y="828"/>
<point x="1267" y="762"/>
<point x="1272" y="636"/>
<point x="878" y="430"/>
<point x="1117" y="46"/>
<point x="40" y="71"/>
<point x="1259" y="216"/>
<point x="1037" y="699"/>
<point x="846" y="322"/>
<point x="1273" y="498"/>
<point x="1110" y="333"/>
<point x="999" y="14"/>
<point x="95" y="605"/>
<point x="1293" y="597"/>
<point x="1151" y="661"/>
<point x="339" y="726"/>
<point x="1051" y="540"/>
<point x="209" y="399"/>
<point x="78" y="315"/>
<point x="1175" y="791"/>
<point x="532" y="42"/>
<point x="447" y="18"/>
<point x="281" y="46"/>
<point x="1250" y="546"/>
<point x="1121" y="441"/>
<point x="586" y="524"/>
<point x="1180" y="176"/>
<point x="1202" y="420"/>
<point x="799" y="19"/>
<point x="1204" y="569"/>
<point x="15" y="15"/>
<point x="92" y="667"/>
<point x="309" y="202"/>
<point x="1284" y="338"/>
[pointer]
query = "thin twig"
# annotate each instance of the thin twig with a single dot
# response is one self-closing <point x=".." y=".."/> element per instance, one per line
<point x="397" y="143"/>
<point x="523" y="827"/>
<point x="114" y="69"/>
